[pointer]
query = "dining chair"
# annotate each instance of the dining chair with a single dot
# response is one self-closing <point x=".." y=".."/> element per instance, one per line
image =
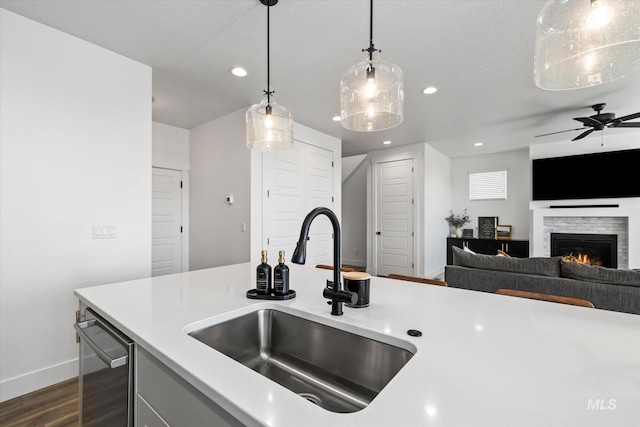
<point x="546" y="297"/>
<point x="417" y="279"/>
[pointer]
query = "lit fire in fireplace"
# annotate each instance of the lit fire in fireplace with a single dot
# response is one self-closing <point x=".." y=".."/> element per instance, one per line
<point x="582" y="259"/>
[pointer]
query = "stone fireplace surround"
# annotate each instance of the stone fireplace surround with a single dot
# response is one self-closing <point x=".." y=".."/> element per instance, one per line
<point x="590" y="225"/>
<point x="624" y="221"/>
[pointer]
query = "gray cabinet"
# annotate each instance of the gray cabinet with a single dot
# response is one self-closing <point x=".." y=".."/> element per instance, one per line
<point x="146" y="416"/>
<point x="165" y="399"/>
<point x="515" y="248"/>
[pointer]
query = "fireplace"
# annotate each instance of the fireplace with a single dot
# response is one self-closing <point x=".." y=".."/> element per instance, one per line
<point x="594" y="249"/>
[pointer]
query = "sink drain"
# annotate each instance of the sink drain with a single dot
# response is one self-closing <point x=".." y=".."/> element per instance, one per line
<point x="311" y="398"/>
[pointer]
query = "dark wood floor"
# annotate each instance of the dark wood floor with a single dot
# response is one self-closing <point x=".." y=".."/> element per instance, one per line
<point x="53" y="406"/>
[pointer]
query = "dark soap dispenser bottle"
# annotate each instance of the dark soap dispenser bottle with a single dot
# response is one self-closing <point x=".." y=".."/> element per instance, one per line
<point x="263" y="276"/>
<point x="281" y="276"/>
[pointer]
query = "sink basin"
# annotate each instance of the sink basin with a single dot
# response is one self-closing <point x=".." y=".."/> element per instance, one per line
<point x="332" y="368"/>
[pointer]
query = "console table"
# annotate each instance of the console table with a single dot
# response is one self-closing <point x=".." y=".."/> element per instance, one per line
<point x="515" y="248"/>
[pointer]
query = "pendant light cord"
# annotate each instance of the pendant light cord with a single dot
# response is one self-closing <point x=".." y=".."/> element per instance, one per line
<point x="268" y="91"/>
<point x="371" y="31"/>
<point x="371" y="47"/>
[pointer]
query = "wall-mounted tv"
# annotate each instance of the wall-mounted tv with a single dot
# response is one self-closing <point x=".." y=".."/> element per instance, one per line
<point x="607" y="175"/>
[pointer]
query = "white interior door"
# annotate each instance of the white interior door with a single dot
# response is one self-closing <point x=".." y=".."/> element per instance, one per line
<point x="319" y="193"/>
<point x="394" y="217"/>
<point x="283" y="202"/>
<point x="296" y="181"/>
<point x="166" y="234"/>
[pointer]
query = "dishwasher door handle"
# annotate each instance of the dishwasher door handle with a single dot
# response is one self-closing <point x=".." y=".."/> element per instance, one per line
<point x="113" y="363"/>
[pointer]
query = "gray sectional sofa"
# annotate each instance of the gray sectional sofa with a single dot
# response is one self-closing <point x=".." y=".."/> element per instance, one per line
<point x="606" y="288"/>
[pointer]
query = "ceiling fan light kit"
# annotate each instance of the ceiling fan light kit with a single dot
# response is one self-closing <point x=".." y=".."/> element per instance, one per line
<point x="371" y="92"/>
<point x="583" y="43"/>
<point x="269" y="125"/>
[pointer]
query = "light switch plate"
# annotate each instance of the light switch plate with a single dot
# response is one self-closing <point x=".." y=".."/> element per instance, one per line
<point x="104" y="232"/>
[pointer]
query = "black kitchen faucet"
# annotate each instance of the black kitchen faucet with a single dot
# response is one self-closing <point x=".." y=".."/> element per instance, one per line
<point x="333" y="289"/>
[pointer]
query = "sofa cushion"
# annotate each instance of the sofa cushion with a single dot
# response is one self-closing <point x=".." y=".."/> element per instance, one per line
<point x="535" y="266"/>
<point x="592" y="273"/>
<point x="466" y="249"/>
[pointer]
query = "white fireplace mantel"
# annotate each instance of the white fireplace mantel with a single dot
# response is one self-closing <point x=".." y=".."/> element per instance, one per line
<point x="632" y="214"/>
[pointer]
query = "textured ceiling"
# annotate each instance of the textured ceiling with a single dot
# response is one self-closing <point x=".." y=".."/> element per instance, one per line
<point x="479" y="54"/>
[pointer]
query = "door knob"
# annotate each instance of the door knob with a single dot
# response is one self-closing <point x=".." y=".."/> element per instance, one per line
<point x="378" y="233"/>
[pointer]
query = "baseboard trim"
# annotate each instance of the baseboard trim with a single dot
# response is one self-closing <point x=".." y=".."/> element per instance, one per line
<point x="32" y="381"/>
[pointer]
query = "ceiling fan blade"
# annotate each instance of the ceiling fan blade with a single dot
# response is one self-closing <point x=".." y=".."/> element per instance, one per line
<point x="629" y="117"/>
<point x="628" y="125"/>
<point x="562" y="131"/>
<point x="582" y="135"/>
<point x="588" y="121"/>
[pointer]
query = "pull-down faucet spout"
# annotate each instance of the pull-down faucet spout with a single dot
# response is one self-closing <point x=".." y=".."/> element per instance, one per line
<point x="334" y="290"/>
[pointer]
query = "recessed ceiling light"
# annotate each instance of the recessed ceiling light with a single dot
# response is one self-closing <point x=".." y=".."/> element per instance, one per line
<point x="238" y="71"/>
<point x="336" y="118"/>
<point x="386" y="142"/>
<point x="429" y="90"/>
<point x="478" y="144"/>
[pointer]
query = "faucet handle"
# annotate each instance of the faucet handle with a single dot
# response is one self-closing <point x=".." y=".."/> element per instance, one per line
<point x="342" y="296"/>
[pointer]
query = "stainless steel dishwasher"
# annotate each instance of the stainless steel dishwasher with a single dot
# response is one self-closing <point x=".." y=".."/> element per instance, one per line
<point x="106" y="373"/>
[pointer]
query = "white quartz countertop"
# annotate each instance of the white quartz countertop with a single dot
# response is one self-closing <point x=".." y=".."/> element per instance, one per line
<point x="482" y="360"/>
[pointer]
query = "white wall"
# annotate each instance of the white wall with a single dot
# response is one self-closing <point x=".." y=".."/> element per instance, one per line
<point x="437" y="199"/>
<point x="170" y="147"/>
<point x="614" y="140"/>
<point x="515" y="210"/>
<point x="170" y="150"/>
<point x="354" y="211"/>
<point x="220" y="166"/>
<point x="349" y="165"/>
<point x="75" y="150"/>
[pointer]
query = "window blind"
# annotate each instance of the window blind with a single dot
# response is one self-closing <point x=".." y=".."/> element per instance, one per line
<point x="488" y="185"/>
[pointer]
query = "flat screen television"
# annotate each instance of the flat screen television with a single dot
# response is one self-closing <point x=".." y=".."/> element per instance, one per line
<point x="607" y="175"/>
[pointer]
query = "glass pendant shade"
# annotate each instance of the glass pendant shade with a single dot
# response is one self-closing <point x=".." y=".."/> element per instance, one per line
<point x="269" y="126"/>
<point x="582" y="43"/>
<point x="371" y="96"/>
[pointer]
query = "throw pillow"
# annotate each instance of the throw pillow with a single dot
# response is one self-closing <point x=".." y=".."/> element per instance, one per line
<point x="535" y="266"/>
<point x="503" y="253"/>
<point x="594" y="273"/>
<point x="466" y="249"/>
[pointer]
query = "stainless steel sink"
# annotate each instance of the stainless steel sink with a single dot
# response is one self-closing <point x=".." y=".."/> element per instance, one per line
<point x="335" y="369"/>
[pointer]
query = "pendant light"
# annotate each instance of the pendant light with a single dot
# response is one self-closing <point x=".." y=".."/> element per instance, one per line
<point x="583" y="43"/>
<point x="269" y="125"/>
<point x="371" y="92"/>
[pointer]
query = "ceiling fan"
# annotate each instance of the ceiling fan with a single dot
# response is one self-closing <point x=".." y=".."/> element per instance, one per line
<point x="600" y="121"/>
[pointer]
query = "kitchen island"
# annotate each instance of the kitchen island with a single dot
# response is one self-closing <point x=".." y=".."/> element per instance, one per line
<point x="482" y="360"/>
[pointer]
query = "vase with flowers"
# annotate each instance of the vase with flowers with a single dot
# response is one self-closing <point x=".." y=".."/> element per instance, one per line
<point x="457" y="221"/>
